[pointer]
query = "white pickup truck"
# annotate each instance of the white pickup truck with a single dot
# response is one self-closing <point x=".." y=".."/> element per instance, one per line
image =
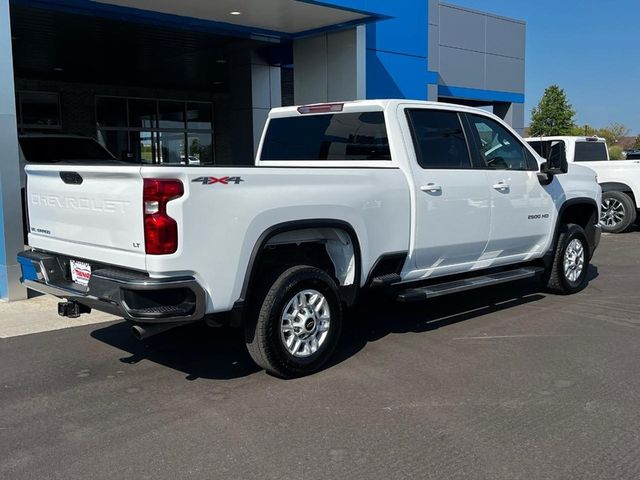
<point x="619" y="179"/>
<point x="421" y="199"/>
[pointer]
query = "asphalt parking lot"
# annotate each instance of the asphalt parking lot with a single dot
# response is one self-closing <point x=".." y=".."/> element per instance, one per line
<point x="503" y="383"/>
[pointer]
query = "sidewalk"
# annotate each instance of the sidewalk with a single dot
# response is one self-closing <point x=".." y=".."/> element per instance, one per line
<point x="40" y="314"/>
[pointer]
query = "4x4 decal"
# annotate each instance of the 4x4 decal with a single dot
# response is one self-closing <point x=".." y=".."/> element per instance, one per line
<point x="214" y="180"/>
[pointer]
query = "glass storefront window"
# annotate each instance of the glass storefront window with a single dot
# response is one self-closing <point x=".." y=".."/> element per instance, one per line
<point x="111" y="112"/>
<point x="171" y="115"/>
<point x="199" y="116"/>
<point x="200" y="148"/>
<point x="143" y="113"/>
<point x="143" y="144"/>
<point x="171" y="148"/>
<point x="39" y="109"/>
<point x="117" y="142"/>
<point x="156" y="131"/>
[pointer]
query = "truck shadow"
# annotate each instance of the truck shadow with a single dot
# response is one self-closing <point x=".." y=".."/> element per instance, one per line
<point x="203" y="352"/>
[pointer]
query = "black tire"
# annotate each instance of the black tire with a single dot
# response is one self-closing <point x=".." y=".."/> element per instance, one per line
<point x="623" y="203"/>
<point x="557" y="277"/>
<point x="264" y="339"/>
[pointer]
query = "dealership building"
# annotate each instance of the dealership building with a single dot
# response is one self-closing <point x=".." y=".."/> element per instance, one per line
<point x="159" y="81"/>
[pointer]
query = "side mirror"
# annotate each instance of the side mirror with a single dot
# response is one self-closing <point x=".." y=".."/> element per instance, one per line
<point x="556" y="163"/>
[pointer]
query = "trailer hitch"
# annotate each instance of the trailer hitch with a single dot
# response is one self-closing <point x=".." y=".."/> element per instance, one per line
<point x="72" y="309"/>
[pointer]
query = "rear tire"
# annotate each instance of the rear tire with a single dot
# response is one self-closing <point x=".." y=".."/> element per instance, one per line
<point x="618" y="212"/>
<point x="568" y="273"/>
<point x="298" y="324"/>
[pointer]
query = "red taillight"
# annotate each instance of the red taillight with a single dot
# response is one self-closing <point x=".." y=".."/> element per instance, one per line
<point x="160" y="230"/>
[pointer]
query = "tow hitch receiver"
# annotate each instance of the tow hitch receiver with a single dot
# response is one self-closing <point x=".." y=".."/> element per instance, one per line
<point x="72" y="309"/>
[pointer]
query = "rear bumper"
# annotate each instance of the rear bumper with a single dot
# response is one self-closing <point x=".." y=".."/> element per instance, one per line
<point x="130" y="294"/>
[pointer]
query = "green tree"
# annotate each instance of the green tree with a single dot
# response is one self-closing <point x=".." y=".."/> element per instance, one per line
<point x="615" y="153"/>
<point x="613" y="133"/>
<point x="585" y="130"/>
<point x="636" y="143"/>
<point x="553" y="115"/>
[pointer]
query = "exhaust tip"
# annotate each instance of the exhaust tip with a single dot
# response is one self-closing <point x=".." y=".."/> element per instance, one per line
<point x="138" y="332"/>
<point x="141" y="332"/>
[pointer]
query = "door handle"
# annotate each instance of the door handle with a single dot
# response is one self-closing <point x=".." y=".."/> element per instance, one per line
<point x="431" y="188"/>
<point x="502" y="186"/>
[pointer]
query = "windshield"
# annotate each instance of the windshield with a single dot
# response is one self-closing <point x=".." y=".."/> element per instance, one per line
<point x="55" y="149"/>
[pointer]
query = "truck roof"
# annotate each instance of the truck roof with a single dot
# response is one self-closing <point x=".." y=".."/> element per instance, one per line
<point x="368" y="105"/>
<point x="567" y="138"/>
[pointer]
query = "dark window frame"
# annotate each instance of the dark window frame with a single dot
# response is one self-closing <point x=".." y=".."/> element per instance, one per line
<point x="29" y="126"/>
<point x="417" y="148"/>
<point x="156" y="130"/>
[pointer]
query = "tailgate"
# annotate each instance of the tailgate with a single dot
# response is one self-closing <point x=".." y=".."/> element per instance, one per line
<point x="92" y="212"/>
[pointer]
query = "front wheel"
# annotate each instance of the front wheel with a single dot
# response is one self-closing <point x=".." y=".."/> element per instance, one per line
<point x="568" y="273"/>
<point x="618" y="212"/>
<point x="298" y="323"/>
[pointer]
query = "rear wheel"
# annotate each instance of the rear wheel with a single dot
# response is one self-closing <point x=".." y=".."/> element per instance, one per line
<point x="618" y="212"/>
<point x="298" y="323"/>
<point x="568" y="273"/>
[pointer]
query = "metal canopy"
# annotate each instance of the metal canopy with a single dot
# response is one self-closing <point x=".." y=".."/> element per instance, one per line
<point x="284" y="16"/>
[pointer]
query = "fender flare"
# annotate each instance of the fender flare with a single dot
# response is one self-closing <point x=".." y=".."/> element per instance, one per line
<point x="349" y="293"/>
<point x="568" y="203"/>
<point x="615" y="187"/>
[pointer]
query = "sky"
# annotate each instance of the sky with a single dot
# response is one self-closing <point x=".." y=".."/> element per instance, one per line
<point x="590" y="48"/>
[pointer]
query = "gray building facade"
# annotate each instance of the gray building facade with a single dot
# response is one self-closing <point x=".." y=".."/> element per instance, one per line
<point x="479" y="58"/>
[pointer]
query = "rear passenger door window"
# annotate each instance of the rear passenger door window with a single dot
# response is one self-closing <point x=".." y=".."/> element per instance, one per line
<point x="499" y="149"/>
<point x="439" y="139"/>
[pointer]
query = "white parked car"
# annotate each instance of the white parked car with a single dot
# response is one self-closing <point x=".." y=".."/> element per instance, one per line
<point x="421" y="199"/>
<point x="620" y="179"/>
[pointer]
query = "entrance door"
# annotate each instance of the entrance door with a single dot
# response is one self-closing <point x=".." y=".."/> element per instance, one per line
<point x="453" y="198"/>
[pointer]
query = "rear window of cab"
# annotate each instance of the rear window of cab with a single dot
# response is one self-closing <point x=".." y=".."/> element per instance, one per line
<point x="339" y="136"/>
<point x="590" y="152"/>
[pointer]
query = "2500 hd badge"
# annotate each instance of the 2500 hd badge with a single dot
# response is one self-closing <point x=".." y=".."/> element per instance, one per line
<point x="538" y="216"/>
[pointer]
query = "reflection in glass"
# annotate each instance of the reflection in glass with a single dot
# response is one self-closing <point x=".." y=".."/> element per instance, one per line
<point x="117" y="142"/>
<point x="111" y="112"/>
<point x="143" y="113"/>
<point x="199" y="116"/>
<point x="39" y="109"/>
<point x="200" y="149"/>
<point x="171" y="147"/>
<point x="143" y="147"/>
<point x="171" y="114"/>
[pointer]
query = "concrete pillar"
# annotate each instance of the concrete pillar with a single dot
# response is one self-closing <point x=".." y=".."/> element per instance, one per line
<point x="255" y="89"/>
<point x="330" y="67"/>
<point x="433" y="51"/>
<point x="432" y="92"/>
<point x="11" y="238"/>
<point x="512" y="113"/>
